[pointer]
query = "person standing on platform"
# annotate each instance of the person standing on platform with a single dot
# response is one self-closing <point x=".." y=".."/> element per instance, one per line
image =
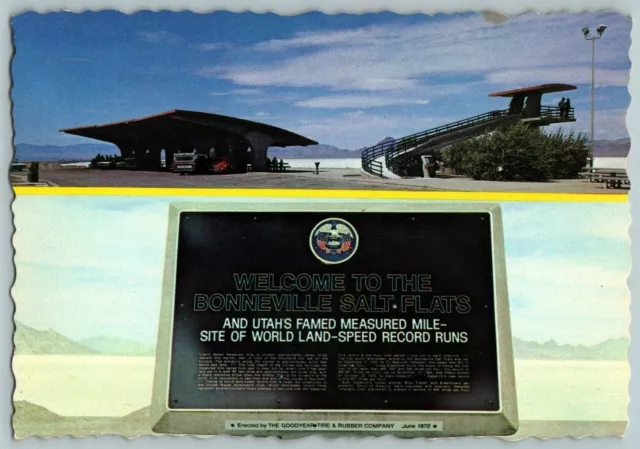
<point x="274" y="163"/>
<point x="567" y="108"/>
<point x="561" y="106"/>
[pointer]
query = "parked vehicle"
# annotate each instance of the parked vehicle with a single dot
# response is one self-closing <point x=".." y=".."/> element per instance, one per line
<point x="127" y="164"/>
<point x="220" y="166"/>
<point x="190" y="163"/>
<point x="199" y="163"/>
<point x="106" y="165"/>
<point x="18" y="166"/>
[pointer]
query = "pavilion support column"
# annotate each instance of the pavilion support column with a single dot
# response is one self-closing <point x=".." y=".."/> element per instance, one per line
<point x="259" y="144"/>
<point x="532" y="105"/>
<point x="126" y="151"/>
<point x="156" y="157"/>
<point x="168" y="156"/>
<point x="516" y="105"/>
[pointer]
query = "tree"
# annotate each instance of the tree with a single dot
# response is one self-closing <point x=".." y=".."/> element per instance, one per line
<point x="519" y="153"/>
<point x="406" y="166"/>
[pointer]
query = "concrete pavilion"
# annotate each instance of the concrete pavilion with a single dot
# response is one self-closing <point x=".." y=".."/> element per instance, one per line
<point x="241" y="141"/>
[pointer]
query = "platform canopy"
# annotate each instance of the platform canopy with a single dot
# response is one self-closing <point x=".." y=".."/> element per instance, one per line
<point x="541" y="89"/>
<point x="181" y="126"/>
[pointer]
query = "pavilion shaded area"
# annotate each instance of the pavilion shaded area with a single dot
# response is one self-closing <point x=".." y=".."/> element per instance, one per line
<point x="241" y="141"/>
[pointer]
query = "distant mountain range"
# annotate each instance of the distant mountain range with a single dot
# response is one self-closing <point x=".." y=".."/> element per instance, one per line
<point x="612" y="148"/>
<point x="34" y="420"/>
<point x="612" y="349"/>
<point x="316" y="151"/>
<point x="31" y="341"/>
<point x="118" y="346"/>
<point x="84" y="152"/>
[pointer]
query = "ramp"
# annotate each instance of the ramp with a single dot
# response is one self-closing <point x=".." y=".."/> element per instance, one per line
<point x="376" y="159"/>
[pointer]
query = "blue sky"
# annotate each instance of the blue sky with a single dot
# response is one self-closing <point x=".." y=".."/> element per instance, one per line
<point x="566" y="274"/>
<point x="344" y="80"/>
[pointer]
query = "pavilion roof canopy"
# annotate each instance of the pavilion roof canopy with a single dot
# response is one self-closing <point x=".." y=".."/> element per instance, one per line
<point x="180" y="125"/>
<point x="542" y="89"/>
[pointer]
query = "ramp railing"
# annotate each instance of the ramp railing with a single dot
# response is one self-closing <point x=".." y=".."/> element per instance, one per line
<point x="371" y="157"/>
<point x="392" y="149"/>
<point x="408" y="143"/>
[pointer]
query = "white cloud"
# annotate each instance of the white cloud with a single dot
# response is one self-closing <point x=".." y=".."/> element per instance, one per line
<point x="90" y="266"/>
<point x="529" y="222"/>
<point x="238" y="92"/>
<point x="112" y="305"/>
<point x="567" y="300"/>
<point x="397" y="57"/>
<point x="213" y="46"/>
<point x="71" y="238"/>
<point x="610" y="124"/>
<point x="355" y="101"/>
<point x="156" y="36"/>
<point x="567" y="268"/>
<point x="566" y="75"/>
<point x="355" y="129"/>
<point x="359" y="36"/>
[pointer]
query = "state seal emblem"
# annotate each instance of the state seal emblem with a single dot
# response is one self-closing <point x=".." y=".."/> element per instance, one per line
<point x="333" y="241"/>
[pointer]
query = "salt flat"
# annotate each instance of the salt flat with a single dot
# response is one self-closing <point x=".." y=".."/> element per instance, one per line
<point x="115" y="386"/>
<point x="84" y="385"/>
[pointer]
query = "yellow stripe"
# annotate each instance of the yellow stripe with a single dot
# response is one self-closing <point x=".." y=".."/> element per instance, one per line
<point x="304" y="193"/>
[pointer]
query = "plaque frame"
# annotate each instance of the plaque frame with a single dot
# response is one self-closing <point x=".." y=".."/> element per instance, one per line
<point x="502" y="422"/>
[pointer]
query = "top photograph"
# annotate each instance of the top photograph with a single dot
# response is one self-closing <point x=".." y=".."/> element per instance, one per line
<point x="473" y="102"/>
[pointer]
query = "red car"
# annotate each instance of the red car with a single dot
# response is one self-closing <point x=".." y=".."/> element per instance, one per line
<point x="220" y="166"/>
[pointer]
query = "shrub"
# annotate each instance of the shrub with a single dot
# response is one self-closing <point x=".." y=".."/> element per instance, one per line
<point x="407" y="166"/>
<point x="519" y="153"/>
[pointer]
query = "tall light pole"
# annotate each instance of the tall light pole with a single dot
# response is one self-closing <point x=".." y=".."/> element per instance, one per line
<point x="592" y="38"/>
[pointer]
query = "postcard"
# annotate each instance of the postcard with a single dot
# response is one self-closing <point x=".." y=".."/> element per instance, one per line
<point x="340" y="225"/>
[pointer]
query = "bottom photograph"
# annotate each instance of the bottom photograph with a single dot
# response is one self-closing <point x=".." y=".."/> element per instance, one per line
<point x="159" y="315"/>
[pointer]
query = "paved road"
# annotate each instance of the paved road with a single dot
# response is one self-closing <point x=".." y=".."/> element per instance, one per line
<point x="350" y="179"/>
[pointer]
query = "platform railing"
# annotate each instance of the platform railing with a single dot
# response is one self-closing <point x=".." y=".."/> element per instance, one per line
<point x="554" y="112"/>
